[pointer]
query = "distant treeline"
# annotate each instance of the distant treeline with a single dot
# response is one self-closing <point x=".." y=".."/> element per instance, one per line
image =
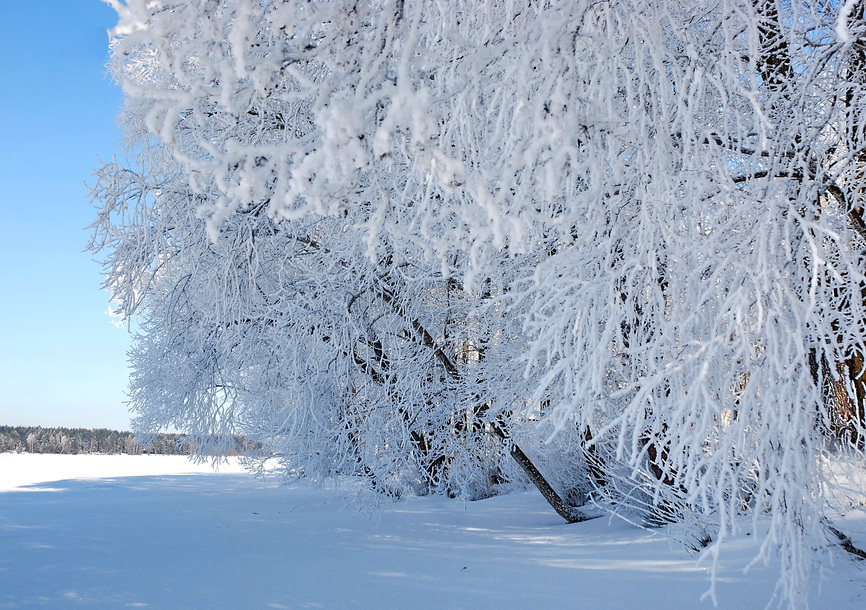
<point x="71" y="441"/>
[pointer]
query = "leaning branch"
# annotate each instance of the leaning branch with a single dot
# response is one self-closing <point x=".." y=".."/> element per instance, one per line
<point x="846" y="543"/>
<point x="571" y="514"/>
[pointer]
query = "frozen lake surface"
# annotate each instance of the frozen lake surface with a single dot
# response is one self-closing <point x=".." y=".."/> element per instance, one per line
<point x="161" y="532"/>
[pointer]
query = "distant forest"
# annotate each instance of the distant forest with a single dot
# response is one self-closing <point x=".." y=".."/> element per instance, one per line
<point x="71" y="441"/>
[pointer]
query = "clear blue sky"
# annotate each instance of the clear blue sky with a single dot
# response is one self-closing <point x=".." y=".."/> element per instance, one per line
<point x="62" y="362"/>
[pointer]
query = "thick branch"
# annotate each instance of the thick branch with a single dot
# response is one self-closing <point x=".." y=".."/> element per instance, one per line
<point x="846" y="543"/>
<point x="570" y="513"/>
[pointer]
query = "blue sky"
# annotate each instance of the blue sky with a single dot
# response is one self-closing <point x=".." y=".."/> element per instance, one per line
<point x="62" y="362"/>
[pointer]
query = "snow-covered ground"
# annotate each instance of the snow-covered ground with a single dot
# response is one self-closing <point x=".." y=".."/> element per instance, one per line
<point x="161" y="532"/>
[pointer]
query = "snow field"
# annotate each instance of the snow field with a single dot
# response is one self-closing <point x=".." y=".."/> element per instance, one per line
<point x="161" y="532"/>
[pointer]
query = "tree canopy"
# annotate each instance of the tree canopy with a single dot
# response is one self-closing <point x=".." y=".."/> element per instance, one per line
<point x="415" y="241"/>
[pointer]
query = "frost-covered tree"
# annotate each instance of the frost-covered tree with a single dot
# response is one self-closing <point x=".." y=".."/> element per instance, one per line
<point x="403" y="240"/>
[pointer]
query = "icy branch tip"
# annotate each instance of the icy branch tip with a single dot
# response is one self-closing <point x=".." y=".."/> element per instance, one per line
<point x="842" y="22"/>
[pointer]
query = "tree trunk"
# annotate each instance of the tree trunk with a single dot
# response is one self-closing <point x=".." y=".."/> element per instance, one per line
<point x="571" y="514"/>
